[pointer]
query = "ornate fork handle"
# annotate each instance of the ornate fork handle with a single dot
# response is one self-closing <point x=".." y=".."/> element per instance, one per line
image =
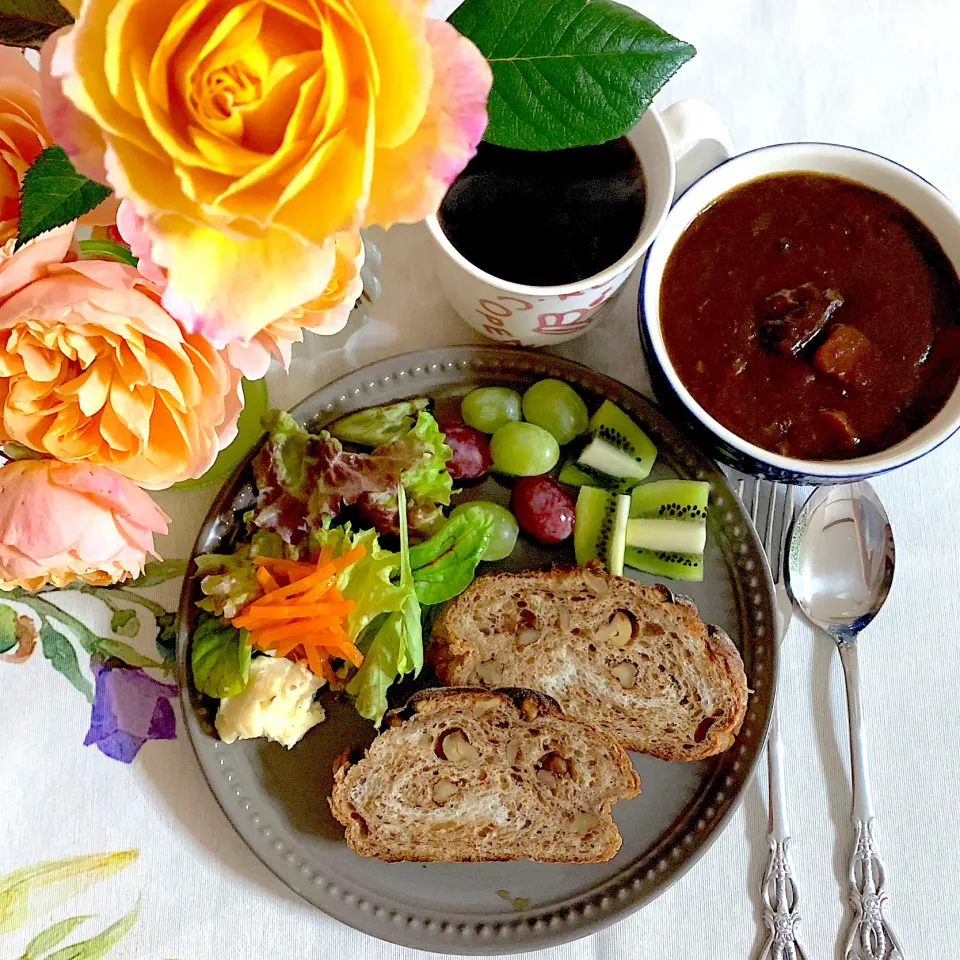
<point x="781" y="906"/>
<point x="870" y="937"/>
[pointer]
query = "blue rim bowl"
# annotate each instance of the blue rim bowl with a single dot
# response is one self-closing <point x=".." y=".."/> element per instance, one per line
<point x="927" y="203"/>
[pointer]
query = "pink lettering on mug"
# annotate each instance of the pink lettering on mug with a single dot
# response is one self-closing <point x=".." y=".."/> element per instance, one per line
<point x="491" y="306"/>
<point x="496" y="321"/>
<point x="503" y="332"/>
<point x="603" y="296"/>
<point x="560" y="324"/>
<point x="524" y="304"/>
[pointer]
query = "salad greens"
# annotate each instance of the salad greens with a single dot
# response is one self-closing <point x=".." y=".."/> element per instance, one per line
<point x="314" y="495"/>
<point x="305" y="478"/>
<point x="220" y="658"/>
<point x="444" y="565"/>
<point x="379" y="425"/>
<point x="392" y="645"/>
<point x="230" y="579"/>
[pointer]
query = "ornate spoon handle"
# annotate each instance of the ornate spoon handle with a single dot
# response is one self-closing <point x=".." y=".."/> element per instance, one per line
<point x="871" y="936"/>
<point x="781" y="899"/>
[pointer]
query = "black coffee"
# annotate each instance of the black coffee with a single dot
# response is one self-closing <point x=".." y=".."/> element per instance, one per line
<point x="546" y="217"/>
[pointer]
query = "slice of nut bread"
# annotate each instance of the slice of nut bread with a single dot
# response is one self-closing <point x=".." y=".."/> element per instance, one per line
<point x="471" y="774"/>
<point x="633" y="660"/>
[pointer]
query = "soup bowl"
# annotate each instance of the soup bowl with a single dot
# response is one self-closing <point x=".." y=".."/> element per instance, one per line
<point x="871" y="170"/>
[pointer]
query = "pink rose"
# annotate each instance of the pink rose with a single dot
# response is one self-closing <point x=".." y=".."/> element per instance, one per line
<point x="92" y="368"/>
<point x="65" y="521"/>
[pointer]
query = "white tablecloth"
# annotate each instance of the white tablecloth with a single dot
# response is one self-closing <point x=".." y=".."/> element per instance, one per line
<point x="880" y="74"/>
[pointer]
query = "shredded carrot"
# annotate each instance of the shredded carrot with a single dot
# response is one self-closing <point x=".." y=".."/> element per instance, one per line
<point x="285" y="612"/>
<point x="285" y="566"/>
<point x="302" y="619"/>
<point x="266" y="580"/>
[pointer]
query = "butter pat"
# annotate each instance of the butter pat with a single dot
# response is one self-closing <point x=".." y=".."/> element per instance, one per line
<point x="277" y="703"/>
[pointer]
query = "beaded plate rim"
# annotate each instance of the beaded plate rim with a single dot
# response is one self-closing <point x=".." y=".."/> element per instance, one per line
<point x="644" y="878"/>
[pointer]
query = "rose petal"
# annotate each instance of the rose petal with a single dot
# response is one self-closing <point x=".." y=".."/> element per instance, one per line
<point x="409" y="180"/>
<point x="80" y="136"/>
<point x="217" y="284"/>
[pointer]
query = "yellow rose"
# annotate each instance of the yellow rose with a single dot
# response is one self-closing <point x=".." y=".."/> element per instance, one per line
<point x="248" y="132"/>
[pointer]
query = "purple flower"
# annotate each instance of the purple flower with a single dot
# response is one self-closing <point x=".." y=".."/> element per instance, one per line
<point x="129" y="709"/>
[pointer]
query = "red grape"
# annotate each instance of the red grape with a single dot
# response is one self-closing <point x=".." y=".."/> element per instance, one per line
<point x="471" y="451"/>
<point x="543" y="509"/>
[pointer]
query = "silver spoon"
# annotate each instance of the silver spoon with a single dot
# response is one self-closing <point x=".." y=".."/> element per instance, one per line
<point x="839" y="572"/>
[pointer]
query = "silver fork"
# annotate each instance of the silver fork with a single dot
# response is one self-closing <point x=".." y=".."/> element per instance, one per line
<point x="778" y="891"/>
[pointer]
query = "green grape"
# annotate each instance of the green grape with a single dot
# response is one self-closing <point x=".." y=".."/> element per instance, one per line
<point x="503" y="533"/>
<point x="557" y="407"/>
<point x="524" y="450"/>
<point x="488" y="408"/>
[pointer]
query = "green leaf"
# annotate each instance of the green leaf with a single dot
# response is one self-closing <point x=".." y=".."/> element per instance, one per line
<point x="158" y="571"/>
<point x="428" y="479"/>
<point x="291" y="447"/>
<point x="45" y="941"/>
<point x="27" y="23"/>
<point x="392" y="643"/>
<point x="53" y="193"/>
<point x="220" y="657"/>
<point x="100" y="945"/>
<point x="379" y="424"/>
<point x="567" y="73"/>
<point x="106" y="250"/>
<point x="167" y="635"/>
<point x="130" y="656"/>
<point x="444" y="565"/>
<point x="125" y="623"/>
<point x="229" y="581"/>
<point x="63" y="658"/>
<point x="22" y="892"/>
<point x="8" y="628"/>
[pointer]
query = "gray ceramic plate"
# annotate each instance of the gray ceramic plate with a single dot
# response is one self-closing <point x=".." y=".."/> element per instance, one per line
<point x="276" y="798"/>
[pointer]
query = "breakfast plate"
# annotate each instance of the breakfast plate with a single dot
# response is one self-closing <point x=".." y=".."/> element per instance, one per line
<point x="277" y="799"/>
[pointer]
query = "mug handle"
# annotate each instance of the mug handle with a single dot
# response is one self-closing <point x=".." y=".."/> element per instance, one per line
<point x="698" y="138"/>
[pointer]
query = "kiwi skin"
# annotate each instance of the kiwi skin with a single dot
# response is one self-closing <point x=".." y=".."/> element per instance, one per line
<point x="673" y="566"/>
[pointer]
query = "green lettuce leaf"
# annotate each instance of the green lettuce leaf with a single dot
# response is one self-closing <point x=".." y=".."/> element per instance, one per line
<point x="392" y="643"/>
<point x="367" y="582"/>
<point x="444" y="565"/>
<point x="379" y="425"/>
<point x="428" y="479"/>
<point x="229" y="582"/>
<point x="220" y="657"/>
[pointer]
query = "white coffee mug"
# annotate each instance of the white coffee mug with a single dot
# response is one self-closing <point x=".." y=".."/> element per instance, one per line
<point x="523" y="315"/>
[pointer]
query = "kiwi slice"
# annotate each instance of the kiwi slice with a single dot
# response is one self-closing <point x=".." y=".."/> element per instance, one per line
<point x="674" y="549"/>
<point x="668" y="536"/>
<point x="670" y="566"/>
<point x="671" y="499"/>
<point x="617" y="455"/>
<point x="600" y="529"/>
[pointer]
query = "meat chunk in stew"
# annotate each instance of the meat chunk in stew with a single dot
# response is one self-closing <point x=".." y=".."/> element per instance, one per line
<point x="845" y="355"/>
<point x="791" y="319"/>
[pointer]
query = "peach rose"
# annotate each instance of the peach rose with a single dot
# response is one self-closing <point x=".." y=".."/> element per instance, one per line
<point x="247" y="134"/>
<point x="67" y="521"/>
<point x="23" y="134"/>
<point x="326" y="314"/>
<point x="92" y="368"/>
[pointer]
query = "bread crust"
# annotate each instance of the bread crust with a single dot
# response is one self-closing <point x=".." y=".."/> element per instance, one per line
<point x="711" y="668"/>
